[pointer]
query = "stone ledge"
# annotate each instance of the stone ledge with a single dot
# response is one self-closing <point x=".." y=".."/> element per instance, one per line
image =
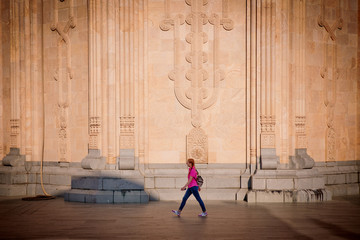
<point x="306" y="195"/>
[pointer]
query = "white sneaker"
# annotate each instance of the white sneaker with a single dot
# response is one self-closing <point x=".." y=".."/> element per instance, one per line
<point x="203" y="214"/>
<point x="176" y="212"/>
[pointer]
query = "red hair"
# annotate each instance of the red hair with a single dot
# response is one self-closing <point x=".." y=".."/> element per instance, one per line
<point x="192" y="161"/>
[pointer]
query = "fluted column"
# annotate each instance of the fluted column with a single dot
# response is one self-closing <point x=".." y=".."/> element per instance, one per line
<point x="252" y="80"/>
<point x="95" y="159"/>
<point x="267" y="85"/>
<point x="16" y="47"/>
<point x="301" y="159"/>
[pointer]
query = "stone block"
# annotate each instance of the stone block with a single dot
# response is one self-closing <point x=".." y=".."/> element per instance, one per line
<point x="223" y="183"/>
<point x="303" y="183"/>
<point x="117" y="184"/>
<point x="251" y="196"/>
<point x="268" y="158"/>
<point x="352" y="189"/>
<point x="269" y="196"/>
<point x="95" y="196"/>
<point x="149" y="182"/>
<point x="5" y="178"/>
<point x="75" y="195"/>
<point x="13" y="158"/>
<point x="258" y="183"/>
<point x="60" y="179"/>
<point x="144" y="197"/>
<point x="91" y="183"/>
<point x="12" y="190"/>
<point x="219" y="194"/>
<point x="93" y="160"/>
<point x="19" y="178"/>
<point x="318" y="182"/>
<point x="164" y="182"/>
<point x="279" y="184"/>
<point x="180" y="182"/>
<point x="352" y="178"/>
<point x="153" y="194"/>
<point x="126" y="160"/>
<point x="245" y="181"/>
<point x="336" y="179"/>
<point x="170" y="194"/>
<point x="289" y="196"/>
<point x="131" y="196"/>
<point x="241" y="195"/>
<point x="54" y="190"/>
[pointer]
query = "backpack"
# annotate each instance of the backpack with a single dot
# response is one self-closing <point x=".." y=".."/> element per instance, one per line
<point x="199" y="179"/>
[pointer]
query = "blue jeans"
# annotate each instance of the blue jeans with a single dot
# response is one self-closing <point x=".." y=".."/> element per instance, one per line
<point x="193" y="190"/>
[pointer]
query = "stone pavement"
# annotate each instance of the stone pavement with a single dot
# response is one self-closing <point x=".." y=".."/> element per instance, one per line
<point x="56" y="219"/>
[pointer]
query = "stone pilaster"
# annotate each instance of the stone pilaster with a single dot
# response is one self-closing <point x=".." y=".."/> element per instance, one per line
<point x="301" y="159"/>
<point x="94" y="159"/>
<point x="269" y="160"/>
<point x="14" y="158"/>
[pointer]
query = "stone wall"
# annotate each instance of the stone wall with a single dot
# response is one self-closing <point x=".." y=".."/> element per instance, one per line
<point x="143" y="85"/>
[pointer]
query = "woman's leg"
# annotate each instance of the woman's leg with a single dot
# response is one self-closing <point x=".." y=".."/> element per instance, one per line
<point x="195" y="191"/>
<point x="185" y="198"/>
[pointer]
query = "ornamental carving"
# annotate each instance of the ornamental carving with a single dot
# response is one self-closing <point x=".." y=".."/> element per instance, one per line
<point x="196" y="97"/>
<point x="330" y="75"/>
<point x="127" y="126"/>
<point x="63" y="75"/>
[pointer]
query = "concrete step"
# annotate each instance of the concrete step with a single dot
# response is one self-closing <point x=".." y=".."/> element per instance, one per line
<point x="91" y="189"/>
<point x="102" y="196"/>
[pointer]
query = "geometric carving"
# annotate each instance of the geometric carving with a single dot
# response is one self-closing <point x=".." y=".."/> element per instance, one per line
<point x="196" y="97"/>
<point x="63" y="79"/>
<point x="330" y="74"/>
<point x="300" y="122"/>
<point x="127" y="126"/>
<point x="95" y="129"/>
<point x="267" y="131"/>
<point x="197" y="145"/>
<point x="14" y="132"/>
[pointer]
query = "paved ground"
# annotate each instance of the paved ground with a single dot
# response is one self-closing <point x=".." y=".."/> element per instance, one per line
<point x="56" y="219"/>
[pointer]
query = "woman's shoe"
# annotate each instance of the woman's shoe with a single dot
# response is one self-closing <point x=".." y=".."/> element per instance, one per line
<point x="176" y="212"/>
<point x="203" y="214"/>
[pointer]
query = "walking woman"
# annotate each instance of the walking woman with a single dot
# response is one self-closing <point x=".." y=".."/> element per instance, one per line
<point x="193" y="188"/>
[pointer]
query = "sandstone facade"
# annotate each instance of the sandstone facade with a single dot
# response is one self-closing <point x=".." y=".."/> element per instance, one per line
<point x="141" y="85"/>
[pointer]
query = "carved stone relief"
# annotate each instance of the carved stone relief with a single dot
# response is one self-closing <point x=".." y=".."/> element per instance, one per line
<point x="196" y="97"/>
<point x="330" y="75"/>
<point x="63" y="77"/>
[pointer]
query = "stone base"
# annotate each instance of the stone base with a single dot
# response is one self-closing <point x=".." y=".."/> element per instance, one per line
<point x="101" y="189"/>
<point x="268" y="159"/>
<point x="101" y="196"/>
<point x="126" y="160"/>
<point x="14" y="158"/>
<point x="301" y="160"/>
<point x="305" y="195"/>
<point x="93" y="160"/>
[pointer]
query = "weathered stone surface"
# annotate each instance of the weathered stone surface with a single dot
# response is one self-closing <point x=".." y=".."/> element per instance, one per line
<point x="93" y="160"/>
<point x="126" y="160"/>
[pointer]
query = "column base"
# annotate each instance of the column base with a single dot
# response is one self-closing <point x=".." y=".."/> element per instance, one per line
<point x="301" y="160"/>
<point x="93" y="160"/>
<point x="268" y="158"/>
<point x="126" y="160"/>
<point x="13" y="158"/>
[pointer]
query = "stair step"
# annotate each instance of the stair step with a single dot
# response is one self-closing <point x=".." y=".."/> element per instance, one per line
<point x="107" y="183"/>
<point x="96" y="196"/>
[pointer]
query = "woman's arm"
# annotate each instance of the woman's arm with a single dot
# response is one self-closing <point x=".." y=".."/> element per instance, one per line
<point x="187" y="184"/>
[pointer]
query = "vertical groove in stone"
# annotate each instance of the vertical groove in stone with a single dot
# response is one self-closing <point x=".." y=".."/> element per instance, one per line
<point x="111" y="80"/>
<point x="117" y="76"/>
<point x="104" y="76"/>
<point x="28" y="83"/>
<point x="1" y="90"/>
<point x="15" y="73"/>
<point x="253" y="85"/>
